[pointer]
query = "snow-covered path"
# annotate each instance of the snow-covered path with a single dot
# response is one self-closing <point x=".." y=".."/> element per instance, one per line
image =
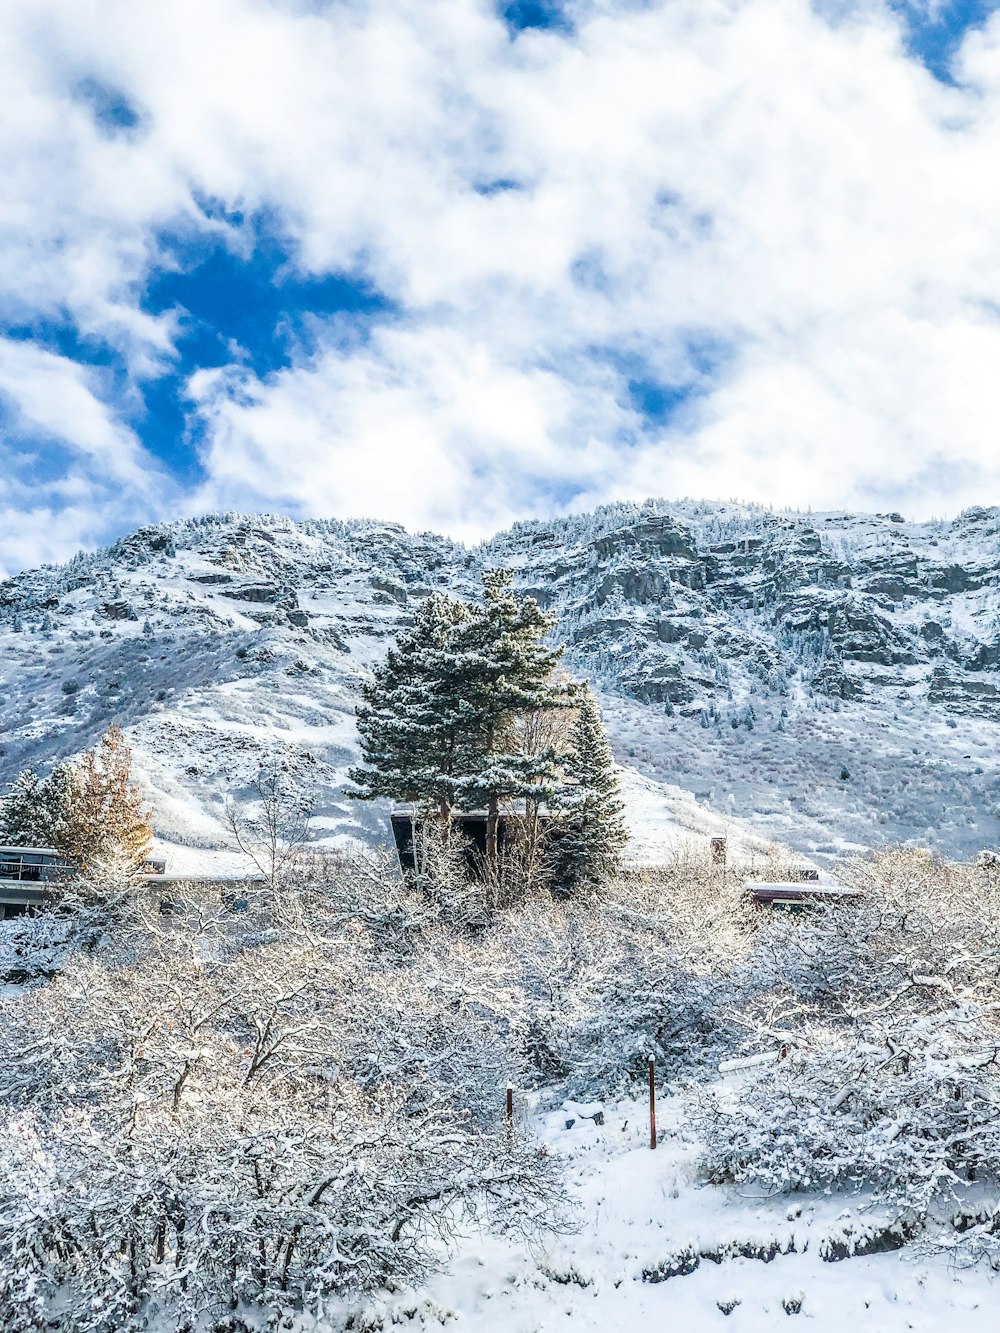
<point x="639" y="1210"/>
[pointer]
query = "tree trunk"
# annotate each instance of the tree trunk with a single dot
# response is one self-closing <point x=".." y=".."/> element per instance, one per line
<point x="444" y="820"/>
<point x="492" y="839"/>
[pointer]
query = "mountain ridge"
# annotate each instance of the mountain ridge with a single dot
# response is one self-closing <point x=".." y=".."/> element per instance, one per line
<point x="826" y="680"/>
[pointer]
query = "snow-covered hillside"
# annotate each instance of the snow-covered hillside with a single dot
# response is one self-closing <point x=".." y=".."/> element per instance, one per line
<point x="656" y="1247"/>
<point x="824" y="680"/>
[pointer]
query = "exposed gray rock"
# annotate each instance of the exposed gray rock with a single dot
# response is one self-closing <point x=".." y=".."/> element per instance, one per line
<point x="253" y="592"/>
<point x="968" y="695"/>
<point x="727" y="622"/>
<point x="660" y="535"/>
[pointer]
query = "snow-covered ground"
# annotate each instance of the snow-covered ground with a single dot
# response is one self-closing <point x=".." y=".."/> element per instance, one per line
<point x="664" y="818"/>
<point x="639" y="1212"/>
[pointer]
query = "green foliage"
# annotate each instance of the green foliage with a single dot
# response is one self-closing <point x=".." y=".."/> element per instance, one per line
<point x="410" y="719"/>
<point x="36" y="811"/>
<point x="592" y="832"/>
<point x="502" y="669"/>
<point x="455" y="717"/>
<point x="438" y="722"/>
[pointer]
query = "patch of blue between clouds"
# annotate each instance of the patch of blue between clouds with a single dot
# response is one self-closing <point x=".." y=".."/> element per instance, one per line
<point x="588" y="271"/>
<point x="156" y="415"/>
<point x="660" y="399"/>
<point x="503" y="185"/>
<point x="256" y="309"/>
<point x="934" y="37"/>
<point x="522" y="15"/>
<point x="110" y="107"/>
<point x="34" y="460"/>
<point x="41" y="458"/>
<point x="251" y="309"/>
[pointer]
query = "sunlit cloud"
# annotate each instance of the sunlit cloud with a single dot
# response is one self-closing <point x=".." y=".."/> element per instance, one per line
<point x="454" y="264"/>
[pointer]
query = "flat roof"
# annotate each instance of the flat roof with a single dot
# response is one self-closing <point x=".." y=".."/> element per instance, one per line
<point x="798" y="888"/>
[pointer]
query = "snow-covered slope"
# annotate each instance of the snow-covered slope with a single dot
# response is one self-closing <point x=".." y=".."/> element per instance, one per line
<point x="657" y="1248"/>
<point x="825" y="680"/>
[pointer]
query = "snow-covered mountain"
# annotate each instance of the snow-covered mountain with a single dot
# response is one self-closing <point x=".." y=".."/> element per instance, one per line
<point x="819" y="679"/>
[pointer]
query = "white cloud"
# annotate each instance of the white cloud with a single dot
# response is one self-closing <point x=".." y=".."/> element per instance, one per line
<point x="420" y="422"/>
<point x="741" y="173"/>
<point x="82" y="474"/>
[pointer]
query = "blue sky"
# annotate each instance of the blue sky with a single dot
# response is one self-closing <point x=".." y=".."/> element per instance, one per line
<point x="935" y="32"/>
<point x="456" y="263"/>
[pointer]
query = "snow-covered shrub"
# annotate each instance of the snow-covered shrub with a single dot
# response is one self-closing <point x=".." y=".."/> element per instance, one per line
<point x="218" y="1111"/>
<point x="886" y="1012"/>
<point x="32" y="947"/>
<point x="672" y="944"/>
<point x="648" y="967"/>
<point x="909" y="1108"/>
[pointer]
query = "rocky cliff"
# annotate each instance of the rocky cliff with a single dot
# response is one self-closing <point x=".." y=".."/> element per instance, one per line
<point x="827" y="679"/>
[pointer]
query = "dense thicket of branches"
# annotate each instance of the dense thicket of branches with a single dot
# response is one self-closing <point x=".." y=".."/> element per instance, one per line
<point x="212" y="1111"/>
<point x="889" y="1014"/>
<point x="215" y="1111"/>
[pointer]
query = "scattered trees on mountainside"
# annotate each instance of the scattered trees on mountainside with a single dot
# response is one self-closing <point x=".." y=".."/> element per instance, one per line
<point x="89" y="810"/>
<point x="462" y="714"/>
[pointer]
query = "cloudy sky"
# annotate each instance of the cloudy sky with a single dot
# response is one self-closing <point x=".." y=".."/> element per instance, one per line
<point x="456" y="262"/>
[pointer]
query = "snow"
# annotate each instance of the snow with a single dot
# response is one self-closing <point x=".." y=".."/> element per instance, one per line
<point x="749" y="1062"/>
<point x="202" y="862"/>
<point x="206" y="683"/>
<point x="638" y="1210"/>
<point x="663" y="817"/>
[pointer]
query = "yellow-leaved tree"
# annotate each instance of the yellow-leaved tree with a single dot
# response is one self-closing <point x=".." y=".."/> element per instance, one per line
<point x="107" y="830"/>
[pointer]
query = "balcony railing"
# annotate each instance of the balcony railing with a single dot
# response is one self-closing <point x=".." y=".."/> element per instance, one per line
<point x="30" y="868"/>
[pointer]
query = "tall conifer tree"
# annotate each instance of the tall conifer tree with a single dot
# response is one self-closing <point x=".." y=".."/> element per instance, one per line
<point x="35" y="812"/>
<point x="591" y="834"/>
<point x="409" y="720"/>
<point x="438" y="719"/>
<point x="504" y="668"/>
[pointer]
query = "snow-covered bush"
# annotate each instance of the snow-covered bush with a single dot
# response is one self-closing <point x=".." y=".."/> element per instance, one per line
<point x="220" y="1111"/>
<point x="672" y="944"/>
<point x="649" y="966"/>
<point x="33" y="947"/>
<point x="909" y="1108"/>
<point x="886" y="1014"/>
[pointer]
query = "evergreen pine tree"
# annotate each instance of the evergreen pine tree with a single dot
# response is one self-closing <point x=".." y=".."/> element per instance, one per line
<point x="409" y="720"/>
<point x="438" y="721"/>
<point x="36" y="811"/>
<point x="502" y="668"/>
<point x="591" y="833"/>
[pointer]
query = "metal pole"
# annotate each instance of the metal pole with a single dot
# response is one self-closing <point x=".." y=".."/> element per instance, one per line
<point x="652" y="1101"/>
